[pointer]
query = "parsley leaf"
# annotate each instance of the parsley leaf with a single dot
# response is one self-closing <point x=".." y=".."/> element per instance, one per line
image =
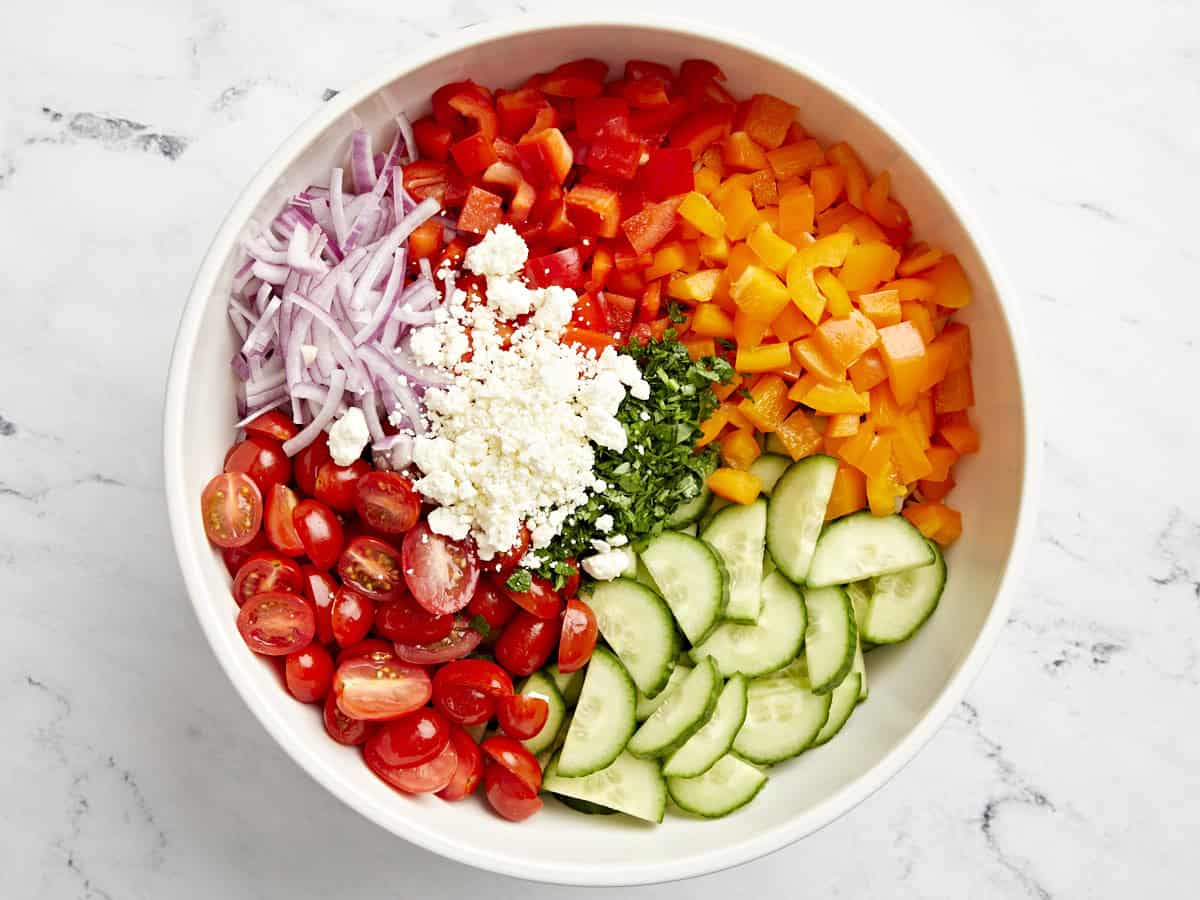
<point x="675" y="313"/>
<point x="480" y="624"/>
<point x="520" y="581"/>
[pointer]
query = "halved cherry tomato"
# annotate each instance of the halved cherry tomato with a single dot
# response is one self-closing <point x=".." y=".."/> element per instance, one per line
<point x="308" y="673"/>
<point x="235" y="556"/>
<point x="541" y="599"/>
<point x="571" y="585"/>
<point x="372" y="568"/>
<point x="492" y="605"/>
<point x="350" y="616"/>
<point x="469" y="772"/>
<point x="412" y="740"/>
<point x="308" y="462"/>
<point x="402" y="621"/>
<point x="508" y="795"/>
<point x="387" y="502"/>
<point x="279" y="524"/>
<point x="373" y="648"/>
<point x="265" y="572"/>
<point x="337" y="486"/>
<point x="379" y="687"/>
<point x="320" y="589"/>
<point x="341" y="727"/>
<point x="526" y="643"/>
<point x="320" y="532"/>
<point x="578" y="640"/>
<point x="512" y="754"/>
<point x="425" y="778"/>
<point x="440" y="573"/>
<point x="466" y="690"/>
<point x="276" y="623"/>
<point x="273" y="424"/>
<point x="462" y="639"/>
<point x="263" y="459"/>
<point x="504" y="564"/>
<point x="522" y="717"/>
<point x="231" y="508"/>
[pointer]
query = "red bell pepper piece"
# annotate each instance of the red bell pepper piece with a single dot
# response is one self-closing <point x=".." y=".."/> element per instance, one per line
<point x="521" y="192"/>
<point x="589" y="314"/>
<point x="516" y="111"/>
<point x="594" y="210"/>
<point x="426" y="178"/>
<point x="596" y="117"/>
<point x="616" y="157"/>
<point x="579" y="78"/>
<point x="647" y="331"/>
<point x="564" y="268"/>
<point x="702" y="128"/>
<point x="651" y="301"/>
<point x="472" y="107"/>
<point x="506" y="151"/>
<point x="646" y="229"/>
<point x="433" y="139"/>
<point x="451" y="117"/>
<point x="473" y="154"/>
<point x="560" y="229"/>
<point x="619" y="309"/>
<point x="655" y="123"/>
<point x="586" y="339"/>
<point x="698" y="82"/>
<point x="636" y="69"/>
<point x="666" y="173"/>
<point x="481" y="212"/>
<point x="546" y="157"/>
<point x="646" y="93"/>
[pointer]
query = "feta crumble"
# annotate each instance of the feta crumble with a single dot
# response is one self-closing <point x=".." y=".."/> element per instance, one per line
<point x="605" y="566"/>
<point x="348" y="436"/>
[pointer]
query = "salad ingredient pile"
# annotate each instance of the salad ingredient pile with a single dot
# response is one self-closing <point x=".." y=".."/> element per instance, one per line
<point x="594" y="433"/>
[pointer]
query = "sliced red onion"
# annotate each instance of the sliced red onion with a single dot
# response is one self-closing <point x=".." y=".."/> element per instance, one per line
<point x="243" y="275"/>
<point x="388" y="245"/>
<point x="337" y="209"/>
<point x="337" y="385"/>
<point x="362" y="164"/>
<point x="261" y="333"/>
<point x="240" y="366"/>
<point x="272" y="274"/>
<point x="325" y="319"/>
<point x="386" y="303"/>
<point x="255" y="413"/>
<point x="304" y="251"/>
<point x="370" y="410"/>
<point x="404" y="127"/>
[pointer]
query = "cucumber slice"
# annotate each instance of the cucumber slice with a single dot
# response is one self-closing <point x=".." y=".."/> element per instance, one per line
<point x="758" y="649"/>
<point x="862" y="545"/>
<point x="540" y="684"/>
<point x="783" y="717"/>
<point x="647" y="705"/>
<point x="680" y="716"/>
<point x="639" y="627"/>
<point x="770" y="468"/>
<point x="690" y="530"/>
<point x="830" y="638"/>
<point x="860" y="598"/>
<point x="713" y="741"/>
<point x="691" y="578"/>
<point x="901" y="603"/>
<point x="845" y="698"/>
<point x="691" y="510"/>
<point x="738" y="534"/>
<point x="642" y="576"/>
<point x="729" y="785"/>
<point x="715" y="506"/>
<point x="569" y="684"/>
<point x="631" y="562"/>
<point x="551" y="751"/>
<point x="859" y="667"/>
<point x="583" y="806"/>
<point x="629" y="785"/>
<point x="797" y="512"/>
<point x="603" y="721"/>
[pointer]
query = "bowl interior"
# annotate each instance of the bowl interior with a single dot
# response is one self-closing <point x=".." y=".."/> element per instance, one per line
<point x="907" y="682"/>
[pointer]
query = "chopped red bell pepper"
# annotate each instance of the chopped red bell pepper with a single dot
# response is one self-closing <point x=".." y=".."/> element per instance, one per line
<point x="654" y="124"/>
<point x="647" y="331"/>
<point x="456" y="103"/>
<point x="589" y="314"/>
<point x="651" y="301"/>
<point x="590" y="68"/>
<point x="546" y="157"/>
<point x="594" y="210"/>
<point x="564" y="269"/>
<point x="481" y="212"/>
<point x="586" y="339"/>
<point x="646" y="229"/>
<point x="616" y="157"/>
<point x="698" y="82"/>
<point x="506" y="151"/>
<point x="426" y="178"/>
<point x="516" y="111"/>
<point x="666" y="173"/>
<point x="522" y="194"/>
<point x="572" y="86"/>
<point x="433" y="139"/>
<point x="602" y="263"/>
<point x="547" y="117"/>
<point x="481" y="111"/>
<point x="619" y="310"/>
<point x="473" y="154"/>
<point x="646" y="93"/>
<point x="702" y="128"/>
<point x="636" y="69"/>
<point x="599" y="116"/>
<point x="560" y="229"/>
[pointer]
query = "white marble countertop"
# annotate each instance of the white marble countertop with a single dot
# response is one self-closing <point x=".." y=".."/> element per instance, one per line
<point x="1070" y="771"/>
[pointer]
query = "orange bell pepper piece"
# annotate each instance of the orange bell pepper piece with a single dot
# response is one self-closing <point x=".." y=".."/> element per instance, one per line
<point x="812" y="356"/>
<point x="881" y="307"/>
<point x="836" y="398"/>
<point x="700" y="347"/>
<point x="884" y="210"/>
<point x="864" y="229"/>
<point x="935" y="490"/>
<point x="837" y="299"/>
<point x="714" y="251"/>
<point x="868" y="265"/>
<point x="711" y="428"/>
<point x="735" y="486"/>
<point x="791" y="324"/>
<point x="903" y="354"/>
<point x="738" y="151"/>
<point x="924" y="411"/>
<point x="768" y="404"/>
<point x="741" y="215"/>
<point x="726" y="390"/>
<point x="882" y="491"/>
<point x="856" y="175"/>
<point x="832" y="220"/>
<point x="919" y="258"/>
<point x="770" y="247"/>
<point x="842" y="425"/>
<point x="826" y="252"/>
<point x="855" y="448"/>
<point x="918" y="314"/>
<point x="868" y="371"/>
<point x="849" y="493"/>
<point x="667" y="259"/>
<point x="936" y="521"/>
<point x="739" y="449"/>
<point x="885" y="411"/>
<point x="956" y="337"/>
<point x="767" y="120"/>
<point x="706" y="180"/>
<point x="799" y="435"/>
<point x="845" y="340"/>
<point x="736" y="417"/>
<point x="698" y="211"/>
<point x="764" y="190"/>
<point x="827" y="182"/>
<point x="937" y="364"/>
<point x="908" y="455"/>
<point x="941" y="459"/>
<point x="877" y="461"/>
<point x="796" y="211"/>
<point x="763" y="358"/>
<point x="950" y="286"/>
<point x="710" y="320"/>
<point x="958" y="432"/>
<point x="748" y="331"/>
<point x="698" y="287"/>
<point x="911" y="288"/>
<point x="795" y="160"/>
<point x="955" y="393"/>
<point x="759" y="293"/>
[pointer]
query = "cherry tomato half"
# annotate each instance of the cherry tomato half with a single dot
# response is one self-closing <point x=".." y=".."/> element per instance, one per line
<point x="412" y="739"/>
<point x="350" y="616"/>
<point x="504" y="564"/>
<point x="466" y="690"/>
<point x="231" y="508"/>
<point x="440" y="573"/>
<point x="263" y="459"/>
<point x="508" y="795"/>
<point x="379" y="687"/>
<point x="492" y="605"/>
<point x="272" y="424"/>
<point x="279" y="523"/>
<point x="461" y="640"/>
<point x="320" y="588"/>
<point x="308" y="462"/>
<point x="276" y="623"/>
<point x="372" y="568"/>
<point x="578" y="640"/>
<point x="426" y="778"/>
<point x="341" y="727"/>
<point x="264" y="572"/>
<point x="387" y="502"/>
<point x="522" y="717"/>
<point x="404" y="622"/>
<point x="235" y="556"/>
<point x="336" y="485"/>
<point x="526" y="643"/>
<point x="319" y="531"/>
<point x="469" y="772"/>
<point x="371" y="647"/>
<point x="308" y="673"/>
<point x="571" y="587"/>
<point x="512" y="754"/>
<point x="540" y="600"/>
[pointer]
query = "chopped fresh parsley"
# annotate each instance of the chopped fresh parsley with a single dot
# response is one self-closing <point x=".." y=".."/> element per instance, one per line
<point x="520" y="581"/>
<point x="480" y="624"/>
<point x="675" y="313"/>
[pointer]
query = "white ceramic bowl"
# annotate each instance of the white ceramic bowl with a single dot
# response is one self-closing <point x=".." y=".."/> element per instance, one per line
<point x="914" y="686"/>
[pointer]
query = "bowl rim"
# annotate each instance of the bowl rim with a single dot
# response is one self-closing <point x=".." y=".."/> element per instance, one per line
<point x="187" y="540"/>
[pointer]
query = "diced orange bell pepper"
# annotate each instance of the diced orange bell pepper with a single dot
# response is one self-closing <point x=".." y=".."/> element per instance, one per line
<point x="959" y="433"/>
<point x="885" y="411"/>
<point x="837" y="398"/>
<point x="800" y="435"/>
<point x="856" y="447"/>
<point x="714" y="251"/>
<point x="768" y="404"/>
<point x="735" y="486"/>
<point x="936" y="365"/>
<point x="837" y="299"/>
<point x="726" y="389"/>
<point x="845" y="340"/>
<point x="924" y="411"/>
<point x="955" y="393"/>
<point x="667" y="259"/>
<point x="796" y="160"/>
<point x="710" y="320"/>
<point x="791" y="324"/>
<point x="698" y="287"/>
<point x="941" y="458"/>
<point x="877" y="461"/>
<point x="936" y="521"/>
<point x="935" y="490"/>
<point x="842" y="425"/>
<point x="911" y="288"/>
<point x="827" y="182"/>
<point x="856" y="175"/>
<point x="918" y="258"/>
<point x="698" y="211"/>
<point x="734" y="182"/>
<point x="737" y="418"/>
<point x="741" y="215"/>
<point x="826" y="252"/>
<point x="770" y="247"/>
<point x="950" y="286"/>
<point x="868" y="371"/>
<point x="803" y="385"/>
<point x="770" y="215"/>
<point x="916" y="426"/>
<point x="881" y="307"/>
<point x="759" y="293"/>
<point x="763" y="358"/>
<point x="706" y="180"/>
<point x="699" y="347"/>
<point x="868" y="265"/>
<point x="748" y="331"/>
<point x="849" y="493"/>
<point x="740" y="448"/>
<point x="957" y="338"/>
<point x="796" y="211"/>
<point x="882" y="491"/>
<point x="882" y="208"/>
<point x="767" y="120"/>
<point x="740" y="153"/>
<point x="864" y="229"/>
<point x="711" y="428"/>
<point x="918" y="314"/>
<point x="903" y="353"/>
<point x="812" y="357"/>
<point x="908" y="456"/>
<point x="832" y="220"/>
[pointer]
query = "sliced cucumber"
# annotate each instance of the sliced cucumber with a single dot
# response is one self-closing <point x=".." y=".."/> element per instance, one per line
<point x="540" y="684"/>
<point x="690" y="530"/>
<point x="729" y="785"/>
<point x="863" y="545"/>
<point x="901" y="603"/>
<point x="604" y="719"/>
<point x="569" y="684"/>
<point x="738" y="534"/>
<point x="771" y="644"/>
<point x="830" y="638"/>
<point x="770" y="468"/>
<point x="691" y="578"/>
<point x="713" y="741"/>
<point x="859" y="667"/>
<point x="845" y="698"/>
<point x="715" y="506"/>
<point x="691" y="510"/>
<point x="783" y="717"/>
<point x="639" y="627"/>
<point x="647" y="705"/>
<point x="551" y="751"/>
<point x="642" y="576"/>
<point x="680" y="716"/>
<point x="629" y="785"/>
<point x="631" y="562"/>
<point x="860" y="599"/>
<point x="796" y="513"/>
<point x="583" y="806"/>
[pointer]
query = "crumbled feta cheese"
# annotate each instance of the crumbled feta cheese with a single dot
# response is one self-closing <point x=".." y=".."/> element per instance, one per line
<point x="618" y="540"/>
<point x="502" y="252"/>
<point x="605" y="566"/>
<point x="308" y="353"/>
<point x="600" y="546"/>
<point x="348" y="436"/>
<point x="604" y="522"/>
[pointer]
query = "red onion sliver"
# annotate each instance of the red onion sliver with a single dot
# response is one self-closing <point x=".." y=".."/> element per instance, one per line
<point x="337" y="384"/>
